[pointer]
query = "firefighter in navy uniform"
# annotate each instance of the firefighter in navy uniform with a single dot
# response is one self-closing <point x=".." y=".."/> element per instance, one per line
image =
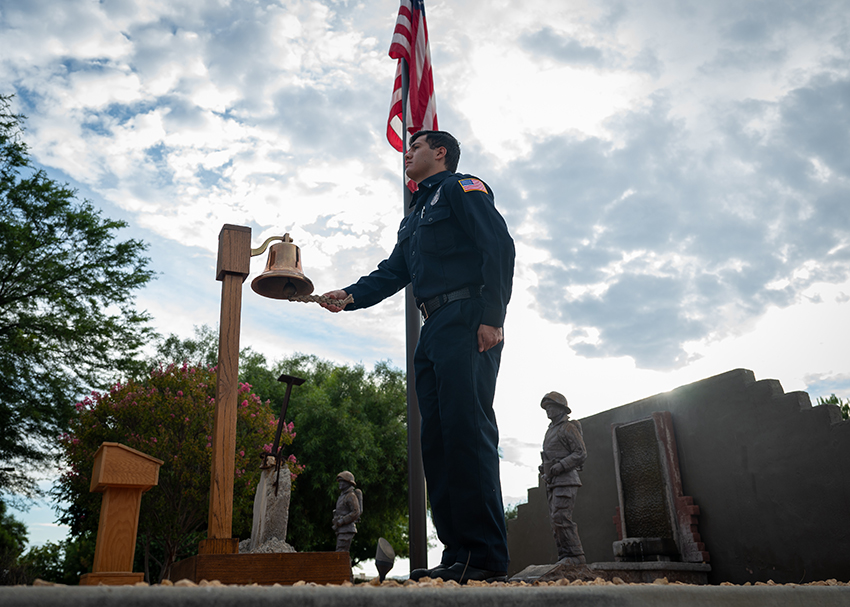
<point x="455" y="249"/>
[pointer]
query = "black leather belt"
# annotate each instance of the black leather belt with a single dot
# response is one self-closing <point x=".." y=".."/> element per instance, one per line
<point x="429" y="306"/>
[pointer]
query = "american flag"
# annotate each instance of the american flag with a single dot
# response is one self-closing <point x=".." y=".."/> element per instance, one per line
<point x="410" y="42"/>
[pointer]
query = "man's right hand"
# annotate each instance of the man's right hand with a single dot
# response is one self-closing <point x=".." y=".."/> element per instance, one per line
<point x="338" y="294"/>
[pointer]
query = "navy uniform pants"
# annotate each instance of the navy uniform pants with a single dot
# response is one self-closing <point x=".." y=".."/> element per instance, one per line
<point x="455" y="385"/>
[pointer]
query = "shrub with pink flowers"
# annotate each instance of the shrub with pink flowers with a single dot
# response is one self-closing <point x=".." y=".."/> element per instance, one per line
<point x="169" y="416"/>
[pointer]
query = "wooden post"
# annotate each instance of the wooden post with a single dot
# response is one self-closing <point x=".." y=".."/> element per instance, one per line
<point x="122" y="474"/>
<point x="233" y="267"/>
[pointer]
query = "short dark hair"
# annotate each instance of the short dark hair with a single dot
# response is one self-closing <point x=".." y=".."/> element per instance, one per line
<point x="442" y="139"/>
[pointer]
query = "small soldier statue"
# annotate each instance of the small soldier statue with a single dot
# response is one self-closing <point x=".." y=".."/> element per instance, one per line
<point x="349" y="506"/>
<point x="563" y="455"/>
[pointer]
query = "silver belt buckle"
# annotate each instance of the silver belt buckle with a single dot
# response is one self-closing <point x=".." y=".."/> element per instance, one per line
<point x="424" y="311"/>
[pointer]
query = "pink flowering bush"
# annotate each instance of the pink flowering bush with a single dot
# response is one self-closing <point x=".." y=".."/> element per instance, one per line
<point x="170" y="417"/>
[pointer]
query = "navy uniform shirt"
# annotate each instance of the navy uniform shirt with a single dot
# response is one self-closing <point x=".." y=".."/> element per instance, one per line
<point x="454" y="238"/>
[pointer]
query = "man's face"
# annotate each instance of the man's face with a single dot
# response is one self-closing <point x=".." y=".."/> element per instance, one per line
<point x="554" y="411"/>
<point x="421" y="161"/>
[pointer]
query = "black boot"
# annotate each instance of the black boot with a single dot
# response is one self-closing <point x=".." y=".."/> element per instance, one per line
<point x="462" y="573"/>
<point x="438" y="571"/>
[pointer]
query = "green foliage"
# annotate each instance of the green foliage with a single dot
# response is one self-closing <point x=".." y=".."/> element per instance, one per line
<point x="67" y="321"/>
<point x="199" y="351"/>
<point x="843" y="405"/>
<point x="59" y="562"/>
<point x="511" y="512"/>
<point x="13" y="533"/>
<point x="46" y="562"/>
<point x="169" y="416"/>
<point x="347" y="419"/>
<point x="78" y="556"/>
<point x="13" y="538"/>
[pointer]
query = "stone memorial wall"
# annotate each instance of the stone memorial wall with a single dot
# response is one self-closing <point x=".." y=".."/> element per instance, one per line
<point x="770" y="473"/>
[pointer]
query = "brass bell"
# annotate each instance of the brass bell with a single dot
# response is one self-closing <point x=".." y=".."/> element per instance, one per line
<point x="283" y="277"/>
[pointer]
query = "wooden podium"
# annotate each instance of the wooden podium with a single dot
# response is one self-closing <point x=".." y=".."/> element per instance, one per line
<point x="122" y="474"/>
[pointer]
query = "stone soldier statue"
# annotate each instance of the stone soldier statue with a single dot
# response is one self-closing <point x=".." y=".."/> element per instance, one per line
<point x="349" y="507"/>
<point x="563" y="455"/>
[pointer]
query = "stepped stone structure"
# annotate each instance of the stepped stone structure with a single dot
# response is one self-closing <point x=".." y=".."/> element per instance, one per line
<point x="768" y="471"/>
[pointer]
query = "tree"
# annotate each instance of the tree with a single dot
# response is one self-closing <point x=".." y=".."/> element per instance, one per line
<point x="13" y="538"/>
<point x="843" y="405"/>
<point x="67" y="320"/>
<point x="347" y="419"/>
<point x="45" y="562"/>
<point x="199" y="351"/>
<point x="13" y="533"/>
<point x="60" y="562"/>
<point x="511" y="512"/>
<point x="169" y="416"/>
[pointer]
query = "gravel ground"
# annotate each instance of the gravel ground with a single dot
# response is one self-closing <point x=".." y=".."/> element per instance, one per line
<point x="439" y="583"/>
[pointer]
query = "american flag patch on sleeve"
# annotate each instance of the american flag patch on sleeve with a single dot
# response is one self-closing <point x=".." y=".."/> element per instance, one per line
<point x="471" y="185"/>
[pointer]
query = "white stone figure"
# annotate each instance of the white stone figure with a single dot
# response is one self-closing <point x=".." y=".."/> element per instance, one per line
<point x="271" y="512"/>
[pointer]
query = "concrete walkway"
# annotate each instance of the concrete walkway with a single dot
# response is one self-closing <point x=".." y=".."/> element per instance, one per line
<point x="647" y="595"/>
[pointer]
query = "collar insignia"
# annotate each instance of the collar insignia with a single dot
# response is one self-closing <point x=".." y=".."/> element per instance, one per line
<point x="436" y="196"/>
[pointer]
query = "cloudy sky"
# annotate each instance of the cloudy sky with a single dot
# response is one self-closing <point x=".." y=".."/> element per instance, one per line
<point x="675" y="174"/>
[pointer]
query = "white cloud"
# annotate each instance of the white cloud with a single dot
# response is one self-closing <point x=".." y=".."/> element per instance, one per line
<point x="675" y="174"/>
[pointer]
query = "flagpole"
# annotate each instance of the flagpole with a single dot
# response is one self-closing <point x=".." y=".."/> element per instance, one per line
<point x="417" y="530"/>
